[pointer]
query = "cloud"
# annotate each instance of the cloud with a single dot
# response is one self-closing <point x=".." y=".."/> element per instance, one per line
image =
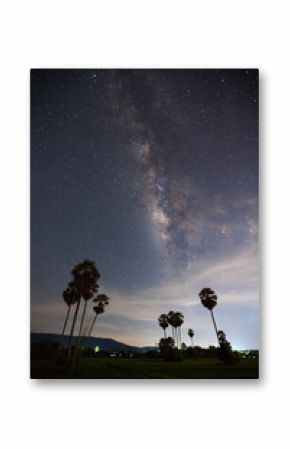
<point x="132" y="316"/>
<point x="234" y="277"/>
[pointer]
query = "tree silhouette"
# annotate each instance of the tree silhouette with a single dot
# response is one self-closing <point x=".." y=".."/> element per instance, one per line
<point x="175" y="319"/>
<point x="170" y="320"/>
<point x="70" y="298"/>
<point x="166" y="343"/>
<point x="85" y="277"/>
<point x="102" y="300"/>
<point x="209" y="300"/>
<point x="163" y="322"/>
<point x="167" y="350"/>
<point x="222" y="337"/>
<point x="190" y="333"/>
<point x="225" y="352"/>
<point x="179" y="320"/>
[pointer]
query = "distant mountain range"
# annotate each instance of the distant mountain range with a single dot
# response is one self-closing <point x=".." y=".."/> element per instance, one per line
<point x="105" y="344"/>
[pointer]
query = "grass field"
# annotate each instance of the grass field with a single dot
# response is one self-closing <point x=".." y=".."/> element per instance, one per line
<point x="90" y="368"/>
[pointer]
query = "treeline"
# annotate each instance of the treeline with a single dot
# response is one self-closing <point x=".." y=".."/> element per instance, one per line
<point x="169" y="346"/>
<point x="49" y="350"/>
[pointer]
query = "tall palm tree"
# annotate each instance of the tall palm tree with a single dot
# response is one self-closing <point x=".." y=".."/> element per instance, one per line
<point x="179" y="320"/>
<point x="190" y="333"/>
<point x="163" y="322"/>
<point x="85" y="277"/>
<point x="175" y="319"/>
<point x="102" y="300"/>
<point x="209" y="300"/>
<point x="171" y="321"/>
<point x="70" y="299"/>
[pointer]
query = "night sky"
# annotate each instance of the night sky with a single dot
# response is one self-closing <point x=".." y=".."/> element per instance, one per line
<point x="153" y="174"/>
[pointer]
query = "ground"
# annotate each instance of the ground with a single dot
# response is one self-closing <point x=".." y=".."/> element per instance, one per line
<point x="145" y="368"/>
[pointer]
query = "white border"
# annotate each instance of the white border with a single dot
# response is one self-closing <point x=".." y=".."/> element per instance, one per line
<point x="144" y="34"/>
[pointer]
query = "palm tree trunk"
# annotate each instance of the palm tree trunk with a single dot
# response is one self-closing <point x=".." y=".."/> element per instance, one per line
<point x="72" y="328"/>
<point x="82" y="323"/>
<point x="85" y="338"/>
<point x="90" y="330"/>
<point x="164" y="332"/>
<point x="64" y="327"/>
<point x="93" y="323"/>
<point x="215" y="326"/>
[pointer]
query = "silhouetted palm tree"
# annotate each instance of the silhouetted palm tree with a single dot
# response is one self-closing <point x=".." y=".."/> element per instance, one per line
<point x="170" y="320"/>
<point x="225" y="350"/>
<point x="70" y="299"/>
<point x="102" y="300"/>
<point x="209" y="300"/>
<point x="190" y="333"/>
<point x="175" y="319"/>
<point x="163" y="322"/>
<point x="85" y="277"/>
<point x="221" y="336"/>
<point x="179" y="320"/>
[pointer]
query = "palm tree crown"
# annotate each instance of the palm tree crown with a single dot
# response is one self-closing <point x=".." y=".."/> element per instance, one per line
<point x="102" y="298"/>
<point x="163" y="321"/>
<point x="99" y="309"/>
<point x="71" y="294"/>
<point x="208" y="298"/>
<point x="101" y="301"/>
<point x="179" y="319"/>
<point x="190" y="333"/>
<point x="175" y="319"/>
<point x="85" y="276"/>
<point x="171" y="318"/>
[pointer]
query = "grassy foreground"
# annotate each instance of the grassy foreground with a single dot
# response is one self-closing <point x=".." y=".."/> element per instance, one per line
<point x="145" y="368"/>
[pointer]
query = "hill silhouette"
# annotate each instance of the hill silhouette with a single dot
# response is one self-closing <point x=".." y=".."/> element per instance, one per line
<point x="105" y="344"/>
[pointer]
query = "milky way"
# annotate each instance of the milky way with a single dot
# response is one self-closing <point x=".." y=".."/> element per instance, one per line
<point x="154" y="175"/>
<point x="188" y="202"/>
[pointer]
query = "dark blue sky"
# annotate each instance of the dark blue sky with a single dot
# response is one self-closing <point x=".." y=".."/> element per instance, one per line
<point x="154" y="175"/>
